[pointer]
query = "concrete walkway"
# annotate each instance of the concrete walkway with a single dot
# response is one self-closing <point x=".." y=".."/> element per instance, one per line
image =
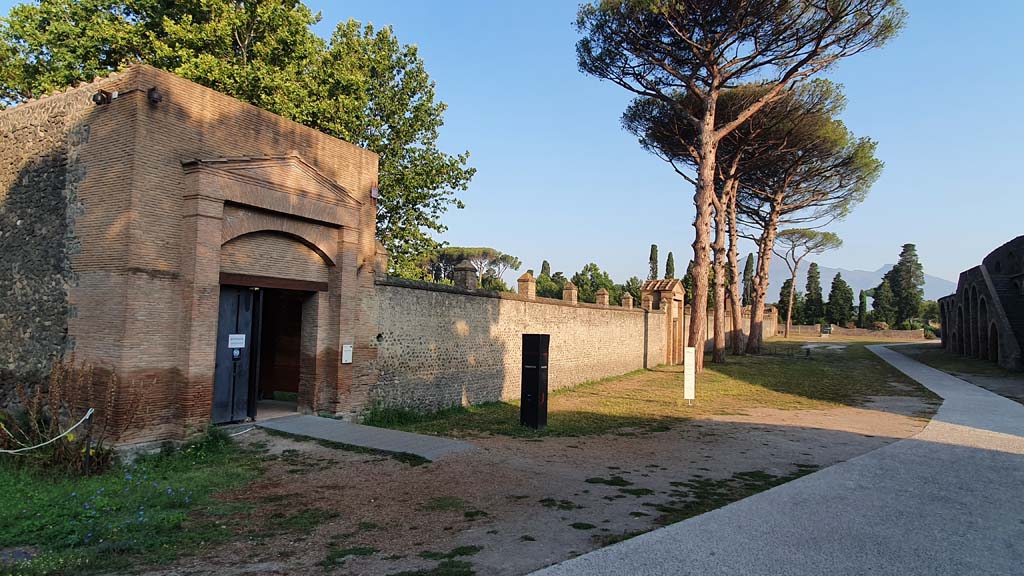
<point x="429" y="447"/>
<point x="948" y="501"/>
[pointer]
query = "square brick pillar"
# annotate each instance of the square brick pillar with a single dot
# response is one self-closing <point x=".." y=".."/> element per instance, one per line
<point x="570" y="293"/>
<point x="627" y="301"/>
<point x="528" y="286"/>
<point x="465" y="275"/>
<point x="602" y="297"/>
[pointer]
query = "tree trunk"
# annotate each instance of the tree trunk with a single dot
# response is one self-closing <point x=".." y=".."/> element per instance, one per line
<point x="718" y="353"/>
<point x="735" y="301"/>
<point x="789" y="310"/>
<point x="760" y="284"/>
<point x="702" y="200"/>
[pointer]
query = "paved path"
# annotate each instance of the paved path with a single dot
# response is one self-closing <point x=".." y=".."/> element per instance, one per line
<point x="948" y="501"/>
<point x="429" y="447"/>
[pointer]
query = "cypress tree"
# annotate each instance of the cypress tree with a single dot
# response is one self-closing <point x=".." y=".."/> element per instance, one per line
<point x="653" y="263"/>
<point x="906" y="279"/>
<point x="840" y="302"/>
<point x="670" y="266"/>
<point x="748" y="279"/>
<point x="814" y="306"/>
<point x="545" y="269"/>
<point x="862" y="311"/>
<point x="884" y="303"/>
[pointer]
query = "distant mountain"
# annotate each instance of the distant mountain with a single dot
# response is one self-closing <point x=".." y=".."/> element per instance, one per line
<point x="934" y="287"/>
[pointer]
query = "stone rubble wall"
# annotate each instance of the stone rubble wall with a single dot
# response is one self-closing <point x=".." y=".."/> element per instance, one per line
<point x="39" y="176"/>
<point x="442" y="346"/>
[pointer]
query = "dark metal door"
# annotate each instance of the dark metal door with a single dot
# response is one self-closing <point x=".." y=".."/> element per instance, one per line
<point x="234" y="354"/>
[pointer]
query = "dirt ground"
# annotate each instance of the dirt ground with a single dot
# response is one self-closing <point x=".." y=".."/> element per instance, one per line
<point x="516" y="505"/>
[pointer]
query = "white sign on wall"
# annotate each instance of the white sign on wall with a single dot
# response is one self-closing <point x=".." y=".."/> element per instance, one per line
<point x="689" y="374"/>
<point x="346" y="354"/>
<point x="236" y="341"/>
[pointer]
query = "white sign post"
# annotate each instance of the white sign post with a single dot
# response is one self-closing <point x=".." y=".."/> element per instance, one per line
<point x="689" y="374"/>
<point x="236" y="341"/>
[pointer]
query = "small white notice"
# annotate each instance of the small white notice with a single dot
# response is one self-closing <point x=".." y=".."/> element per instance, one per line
<point x="236" y="341"/>
<point x="689" y="374"/>
<point x="346" y="354"/>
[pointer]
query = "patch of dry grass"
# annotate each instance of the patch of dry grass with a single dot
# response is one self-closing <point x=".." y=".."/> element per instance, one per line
<point x="652" y="400"/>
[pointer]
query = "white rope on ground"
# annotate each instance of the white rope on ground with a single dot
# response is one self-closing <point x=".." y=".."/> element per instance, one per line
<point x="88" y="414"/>
<point x="243" y="431"/>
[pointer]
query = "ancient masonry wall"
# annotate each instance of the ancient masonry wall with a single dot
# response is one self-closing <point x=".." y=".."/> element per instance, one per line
<point x="41" y="168"/>
<point x="441" y="346"/>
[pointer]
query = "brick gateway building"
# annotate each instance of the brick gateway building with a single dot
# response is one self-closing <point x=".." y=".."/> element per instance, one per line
<point x="224" y="256"/>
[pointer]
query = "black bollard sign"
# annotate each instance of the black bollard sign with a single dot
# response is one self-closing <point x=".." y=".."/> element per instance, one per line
<point x="534" y="409"/>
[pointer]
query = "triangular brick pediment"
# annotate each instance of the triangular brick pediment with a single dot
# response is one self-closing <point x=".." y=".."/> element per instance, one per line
<point x="288" y="173"/>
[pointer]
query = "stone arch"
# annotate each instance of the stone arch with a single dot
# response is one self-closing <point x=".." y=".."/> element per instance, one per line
<point x="274" y="254"/>
<point x="944" y="323"/>
<point x="240" y="222"/>
<point x="972" y="321"/>
<point x="983" y="324"/>
<point x="960" y="349"/>
<point x="993" y="342"/>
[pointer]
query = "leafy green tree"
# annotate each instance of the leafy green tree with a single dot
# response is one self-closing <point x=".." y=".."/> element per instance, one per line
<point x="748" y="278"/>
<point x="688" y="283"/>
<point x="490" y="265"/>
<point x="550" y="286"/>
<point x="633" y="287"/>
<point x="814" y="302"/>
<point x="839" y="309"/>
<point x="652" y="263"/>
<point x="862" y="310"/>
<point x="362" y="85"/>
<point x="906" y="279"/>
<point x="670" y="266"/>
<point x="494" y="283"/>
<point x="930" y="311"/>
<point x="591" y="279"/>
<point x="545" y="268"/>
<point x="884" y="303"/>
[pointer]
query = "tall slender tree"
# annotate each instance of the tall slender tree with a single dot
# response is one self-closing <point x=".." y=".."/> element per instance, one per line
<point x="652" y="263"/>
<point x="824" y="172"/>
<point x="884" y="304"/>
<point x="814" y="301"/>
<point x="545" y="268"/>
<point x="862" y="310"/>
<point x="670" y="266"/>
<point x="748" y="278"/>
<point x="657" y="49"/>
<point x="907" y="282"/>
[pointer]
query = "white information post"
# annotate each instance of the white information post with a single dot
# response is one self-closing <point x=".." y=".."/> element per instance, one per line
<point x="689" y="374"/>
<point x="236" y="341"/>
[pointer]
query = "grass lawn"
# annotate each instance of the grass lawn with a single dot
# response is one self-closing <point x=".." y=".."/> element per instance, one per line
<point x="651" y="400"/>
<point x="151" y="511"/>
<point x="940" y="359"/>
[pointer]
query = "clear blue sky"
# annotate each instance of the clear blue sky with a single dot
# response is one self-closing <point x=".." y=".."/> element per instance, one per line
<point x="557" y="177"/>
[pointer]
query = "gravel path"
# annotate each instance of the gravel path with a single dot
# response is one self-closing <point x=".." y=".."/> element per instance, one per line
<point x="946" y="501"/>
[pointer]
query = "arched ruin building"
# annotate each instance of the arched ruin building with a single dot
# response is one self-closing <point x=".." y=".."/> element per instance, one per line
<point x="222" y="261"/>
<point x="985" y="317"/>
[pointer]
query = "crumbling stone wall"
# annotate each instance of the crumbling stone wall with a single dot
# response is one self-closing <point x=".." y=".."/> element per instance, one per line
<point x="440" y="346"/>
<point x="39" y="176"/>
